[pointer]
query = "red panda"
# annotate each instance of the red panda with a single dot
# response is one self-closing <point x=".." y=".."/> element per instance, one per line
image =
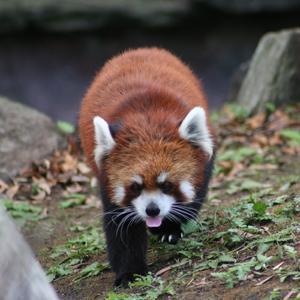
<point x="145" y="131"/>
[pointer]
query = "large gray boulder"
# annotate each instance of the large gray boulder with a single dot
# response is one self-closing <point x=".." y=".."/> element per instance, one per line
<point x="25" y="135"/>
<point x="21" y="276"/>
<point x="274" y="72"/>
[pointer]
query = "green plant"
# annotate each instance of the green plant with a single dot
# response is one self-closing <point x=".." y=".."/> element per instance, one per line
<point x="76" y="251"/>
<point x="239" y="112"/>
<point x="65" y="127"/>
<point x="144" y="287"/>
<point x="275" y="294"/>
<point x="22" y="211"/>
<point x="291" y="135"/>
<point x="72" y="200"/>
<point x="237" y="273"/>
<point x="93" y="269"/>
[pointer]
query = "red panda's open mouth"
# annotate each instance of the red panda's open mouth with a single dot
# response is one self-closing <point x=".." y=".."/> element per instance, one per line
<point x="153" y="221"/>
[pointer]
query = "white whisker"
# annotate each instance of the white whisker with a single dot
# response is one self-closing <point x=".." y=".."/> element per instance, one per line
<point x="184" y="214"/>
<point x="132" y="221"/>
<point x="173" y="218"/>
<point x="121" y="225"/>
<point x="185" y="211"/>
<point x="182" y="206"/>
<point x="116" y="215"/>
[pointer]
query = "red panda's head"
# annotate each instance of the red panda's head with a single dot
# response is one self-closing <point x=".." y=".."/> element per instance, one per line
<point x="151" y="171"/>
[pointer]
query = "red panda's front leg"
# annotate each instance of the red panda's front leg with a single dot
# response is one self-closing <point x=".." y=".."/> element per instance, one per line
<point x="126" y="247"/>
<point x="169" y="232"/>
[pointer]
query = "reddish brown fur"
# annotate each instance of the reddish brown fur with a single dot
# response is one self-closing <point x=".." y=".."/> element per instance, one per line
<point x="150" y="91"/>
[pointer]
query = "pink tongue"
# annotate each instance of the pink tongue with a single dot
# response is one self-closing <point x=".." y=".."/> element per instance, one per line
<point x="153" y="222"/>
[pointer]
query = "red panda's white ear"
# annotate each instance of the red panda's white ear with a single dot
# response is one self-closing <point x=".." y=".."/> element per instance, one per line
<point x="103" y="139"/>
<point x="194" y="129"/>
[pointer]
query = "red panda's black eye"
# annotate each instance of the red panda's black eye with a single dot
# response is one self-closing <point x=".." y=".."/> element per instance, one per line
<point x="166" y="187"/>
<point x="136" y="188"/>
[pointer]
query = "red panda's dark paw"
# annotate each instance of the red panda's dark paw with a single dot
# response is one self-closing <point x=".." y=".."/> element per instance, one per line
<point x="171" y="237"/>
<point x="124" y="280"/>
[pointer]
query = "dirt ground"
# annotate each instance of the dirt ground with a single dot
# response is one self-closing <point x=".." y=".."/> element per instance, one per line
<point x="53" y="231"/>
<point x="245" y="245"/>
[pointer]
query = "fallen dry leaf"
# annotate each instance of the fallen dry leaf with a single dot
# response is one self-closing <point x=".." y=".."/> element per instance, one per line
<point x="226" y="165"/>
<point x="291" y="150"/>
<point x="74" y="188"/>
<point x="69" y="164"/>
<point x="83" y="168"/>
<point x="43" y="185"/>
<point x="263" y="167"/>
<point x="93" y="201"/>
<point x="65" y="177"/>
<point x="12" y="191"/>
<point x="278" y="120"/>
<point x="275" y="140"/>
<point x="237" y="167"/>
<point x="3" y="186"/>
<point x="256" y="121"/>
<point x="94" y="182"/>
<point x="80" y="178"/>
<point x="261" y="140"/>
<point x="45" y="212"/>
<point x="202" y="282"/>
<point x="40" y="196"/>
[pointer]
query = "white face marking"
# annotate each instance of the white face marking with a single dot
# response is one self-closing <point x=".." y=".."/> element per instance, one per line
<point x="163" y="201"/>
<point x="162" y="177"/>
<point x="187" y="189"/>
<point x="103" y="139"/>
<point x="194" y="129"/>
<point x="138" y="179"/>
<point x="119" y="194"/>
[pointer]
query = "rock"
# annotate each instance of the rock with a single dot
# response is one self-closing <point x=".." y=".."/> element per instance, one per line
<point x="25" y="135"/>
<point x="21" y="276"/>
<point x="237" y="80"/>
<point x="274" y="72"/>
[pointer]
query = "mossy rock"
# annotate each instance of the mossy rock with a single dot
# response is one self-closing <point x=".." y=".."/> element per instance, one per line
<point x="274" y="72"/>
<point x="26" y="135"/>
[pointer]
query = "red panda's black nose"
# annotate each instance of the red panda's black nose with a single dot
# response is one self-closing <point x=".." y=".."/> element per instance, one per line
<point x="152" y="210"/>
